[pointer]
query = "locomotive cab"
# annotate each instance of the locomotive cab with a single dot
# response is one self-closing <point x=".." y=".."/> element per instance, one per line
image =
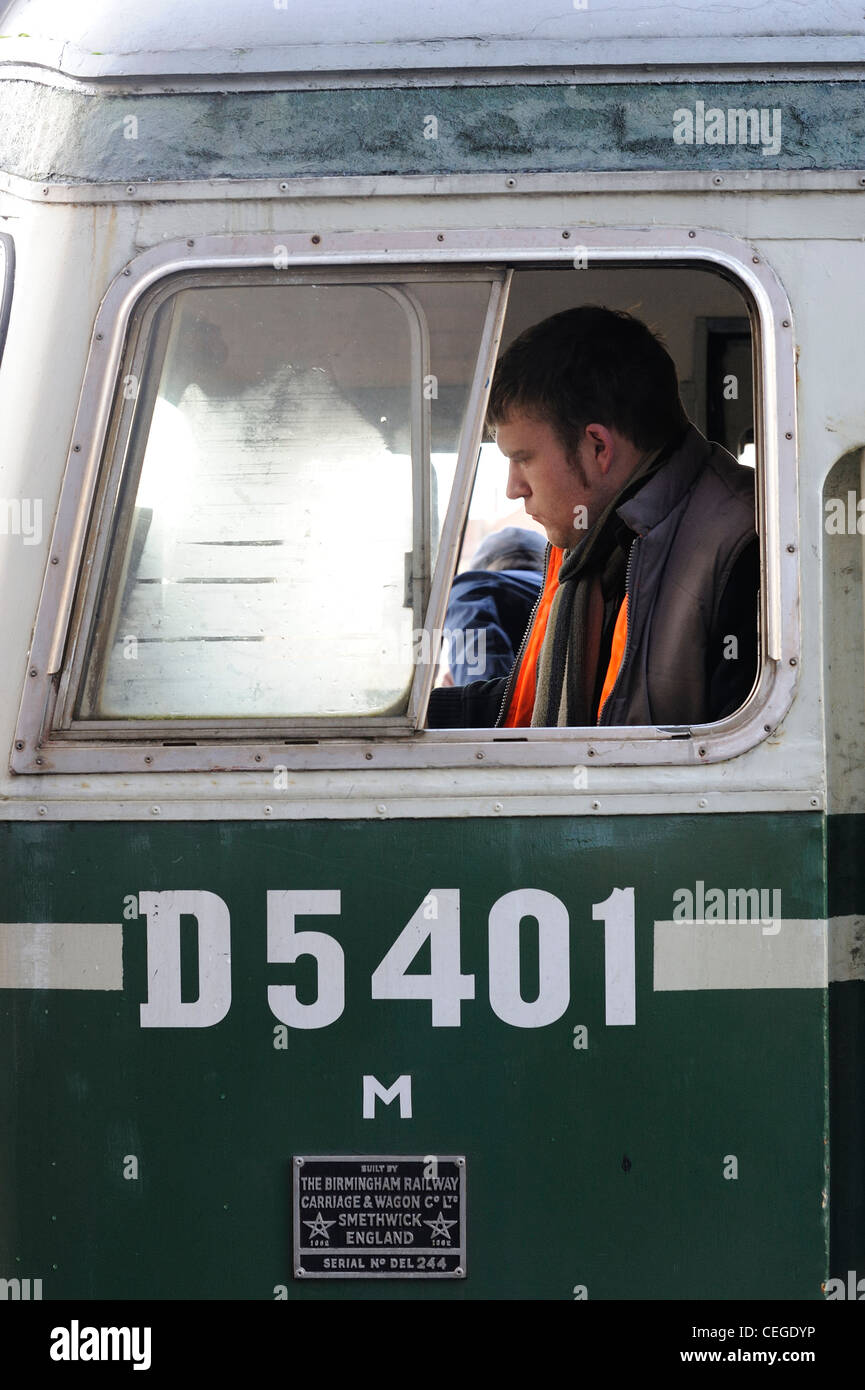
<point x="276" y="956"/>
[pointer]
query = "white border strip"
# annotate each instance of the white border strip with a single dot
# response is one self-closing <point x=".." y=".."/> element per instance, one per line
<point x="305" y="186"/>
<point x="61" y="955"/>
<point x="789" y="953"/>
<point x="395" y="803"/>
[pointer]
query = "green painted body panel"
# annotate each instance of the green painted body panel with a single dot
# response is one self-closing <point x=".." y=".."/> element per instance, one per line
<point x="846" y="837"/>
<point x="54" y="135"/>
<point x="601" y="1167"/>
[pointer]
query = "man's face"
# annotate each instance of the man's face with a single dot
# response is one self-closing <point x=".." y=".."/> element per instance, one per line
<point x="565" y="498"/>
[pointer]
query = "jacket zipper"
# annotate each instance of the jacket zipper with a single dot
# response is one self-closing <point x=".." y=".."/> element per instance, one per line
<point x="629" y="631"/>
<point x="519" y="657"/>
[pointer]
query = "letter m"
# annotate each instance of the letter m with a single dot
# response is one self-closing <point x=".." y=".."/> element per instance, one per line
<point x="373" y="1090"/>
<point x="745" y="905"/>
<point x="10" y="1288"/>
<point x="12" y="520"/>
<point x="115" y="1342"/>
<point x="743" y="127"/>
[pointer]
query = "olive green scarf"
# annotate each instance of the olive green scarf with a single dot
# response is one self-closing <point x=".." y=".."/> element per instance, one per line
<point x="595" y="567"/>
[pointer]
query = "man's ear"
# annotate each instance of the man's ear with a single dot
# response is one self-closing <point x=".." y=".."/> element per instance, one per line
<point x="602" y="444"/>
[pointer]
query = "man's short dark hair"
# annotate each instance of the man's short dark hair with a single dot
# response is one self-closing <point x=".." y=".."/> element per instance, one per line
<point x="590" y="365"/>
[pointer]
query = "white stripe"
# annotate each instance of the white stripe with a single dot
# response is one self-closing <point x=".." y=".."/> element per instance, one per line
<point x="847" y="948"/>
<point x="61" y="955"/>
<point x="790" y="953"/>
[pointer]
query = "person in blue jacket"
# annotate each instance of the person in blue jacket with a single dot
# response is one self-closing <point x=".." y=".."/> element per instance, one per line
<point x="490" y="604"/>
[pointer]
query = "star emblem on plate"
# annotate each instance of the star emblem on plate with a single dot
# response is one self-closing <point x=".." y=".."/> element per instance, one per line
<point x="319" y="1228"/>
<point x="440" y="1228"/>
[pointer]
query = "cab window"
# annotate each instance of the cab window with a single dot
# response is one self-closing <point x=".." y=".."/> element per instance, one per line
<point x="289" y="450"/>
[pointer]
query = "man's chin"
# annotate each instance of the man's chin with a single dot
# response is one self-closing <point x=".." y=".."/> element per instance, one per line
<point x="564" y="540"/>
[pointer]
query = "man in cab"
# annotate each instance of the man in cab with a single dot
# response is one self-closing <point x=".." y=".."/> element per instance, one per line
<point x="648" y="612"/>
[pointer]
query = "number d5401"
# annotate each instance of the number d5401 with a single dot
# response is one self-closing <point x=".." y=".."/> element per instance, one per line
<point x="437" y="919"/>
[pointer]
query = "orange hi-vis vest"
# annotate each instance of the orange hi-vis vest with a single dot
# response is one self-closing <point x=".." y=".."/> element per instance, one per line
<point x="522" y="703"/>
<point x="617" y="652"/>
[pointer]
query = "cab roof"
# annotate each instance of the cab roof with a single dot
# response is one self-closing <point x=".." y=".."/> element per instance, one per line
<point x="170" y="40"/>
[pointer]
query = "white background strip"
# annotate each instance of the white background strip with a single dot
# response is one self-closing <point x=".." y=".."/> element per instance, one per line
<point x="61" y="955"/>
<point x="739" y="955"/>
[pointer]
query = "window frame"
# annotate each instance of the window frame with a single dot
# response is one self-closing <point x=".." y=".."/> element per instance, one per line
<point x="143" y="361"/>
<point x="7" y="283"/>
<point x="239" y="743"/>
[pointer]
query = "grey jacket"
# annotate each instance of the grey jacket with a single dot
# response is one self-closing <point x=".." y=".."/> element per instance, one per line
<point x="692" y="522"/>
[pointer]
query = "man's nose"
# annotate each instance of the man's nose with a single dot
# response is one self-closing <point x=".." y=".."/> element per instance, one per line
<point x="516" y="487"/>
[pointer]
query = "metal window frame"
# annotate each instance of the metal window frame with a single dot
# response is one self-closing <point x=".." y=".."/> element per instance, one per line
<point x="125" y="452"/>
<point x="7" y="281"/>
<point x="245" y="745"/>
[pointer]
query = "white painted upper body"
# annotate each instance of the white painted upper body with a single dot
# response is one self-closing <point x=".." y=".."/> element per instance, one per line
<point x="104" y="39"/>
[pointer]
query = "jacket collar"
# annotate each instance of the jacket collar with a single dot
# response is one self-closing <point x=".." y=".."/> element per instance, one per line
<point x="669" y="485"/>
